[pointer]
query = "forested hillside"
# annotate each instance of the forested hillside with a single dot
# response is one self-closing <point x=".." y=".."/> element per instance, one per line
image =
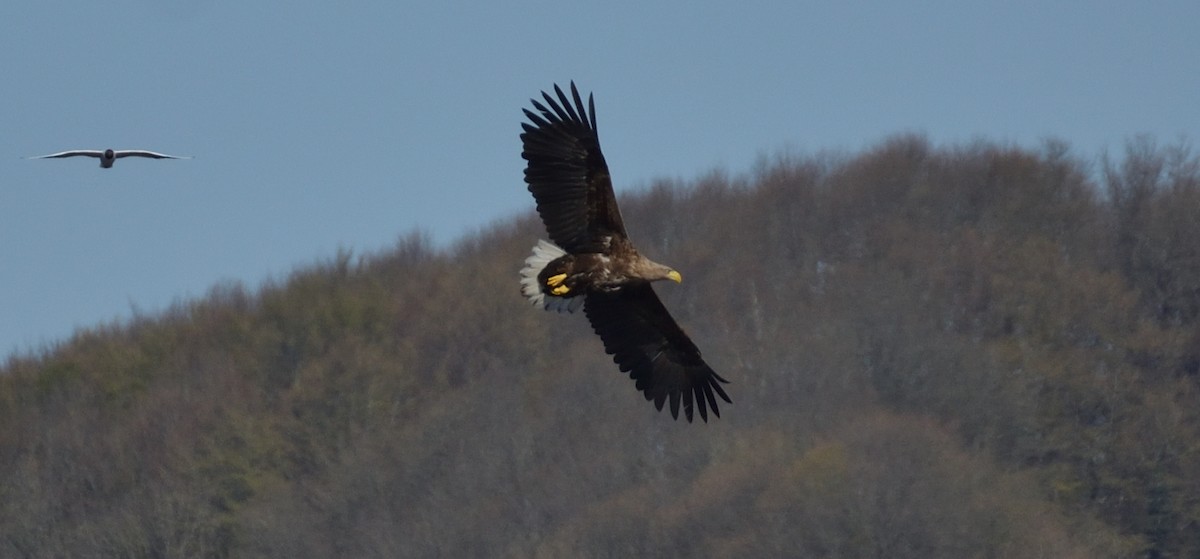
<point x="964" y="351"/>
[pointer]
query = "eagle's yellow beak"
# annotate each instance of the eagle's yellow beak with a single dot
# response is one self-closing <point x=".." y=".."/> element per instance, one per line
<point x="674" y="276"/>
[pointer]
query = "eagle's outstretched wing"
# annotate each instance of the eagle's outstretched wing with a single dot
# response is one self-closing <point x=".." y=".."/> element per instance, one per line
<point x="647" y="343"/>
<point x="567" y="174"/>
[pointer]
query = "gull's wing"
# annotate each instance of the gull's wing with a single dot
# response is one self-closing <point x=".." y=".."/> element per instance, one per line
<point x="117" y="154"/>
<point x="71" y="153"/>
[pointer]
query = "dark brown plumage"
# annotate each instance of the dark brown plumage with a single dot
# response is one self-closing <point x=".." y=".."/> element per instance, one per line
<point x="593" y="263"/>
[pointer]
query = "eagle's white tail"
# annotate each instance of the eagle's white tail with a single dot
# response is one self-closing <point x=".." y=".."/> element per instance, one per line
<point x="543" y="253"/>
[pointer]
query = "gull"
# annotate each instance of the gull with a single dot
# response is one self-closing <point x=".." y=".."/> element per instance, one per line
<point x="108" y="156"/>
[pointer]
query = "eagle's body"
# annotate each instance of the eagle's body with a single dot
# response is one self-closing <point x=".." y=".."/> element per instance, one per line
<point x="109" y="156"/>
<point x="606" y="271"/>
<point x="593" y="263"/>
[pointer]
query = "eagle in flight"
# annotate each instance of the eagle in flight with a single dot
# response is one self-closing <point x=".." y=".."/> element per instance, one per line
<point x="592" y="263"/>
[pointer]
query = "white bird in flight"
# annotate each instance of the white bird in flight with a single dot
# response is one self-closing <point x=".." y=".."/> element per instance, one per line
<point x="108" y="156"/>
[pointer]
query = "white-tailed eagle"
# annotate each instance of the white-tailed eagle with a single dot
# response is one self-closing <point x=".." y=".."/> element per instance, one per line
<point x="592" y="263"/>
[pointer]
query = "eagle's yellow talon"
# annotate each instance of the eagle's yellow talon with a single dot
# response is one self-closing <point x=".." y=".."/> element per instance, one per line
<point x="555" y="281"/>
<point x="560" y="290"/>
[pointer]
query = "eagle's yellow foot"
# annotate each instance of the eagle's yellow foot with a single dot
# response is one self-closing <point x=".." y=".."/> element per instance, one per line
<point x="555" y="281"/>
<point x="560" y="290"/>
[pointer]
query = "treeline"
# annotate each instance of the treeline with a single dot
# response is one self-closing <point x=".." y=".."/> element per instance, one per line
<point x="965" y="351"/>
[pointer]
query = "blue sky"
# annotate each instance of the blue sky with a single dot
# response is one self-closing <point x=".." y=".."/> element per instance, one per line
<point x="317" y="127"/>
